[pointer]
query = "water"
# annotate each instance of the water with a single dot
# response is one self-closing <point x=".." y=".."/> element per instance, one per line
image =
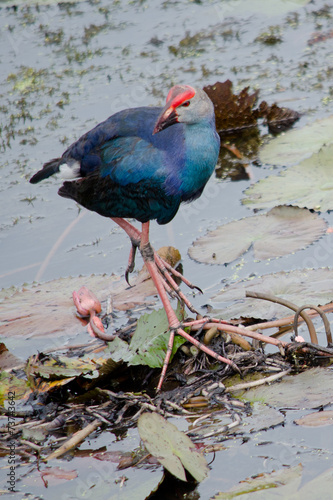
<point x="66" y="67"/>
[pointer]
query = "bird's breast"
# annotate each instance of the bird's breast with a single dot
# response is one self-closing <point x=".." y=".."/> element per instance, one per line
<point x="200" y="155"/>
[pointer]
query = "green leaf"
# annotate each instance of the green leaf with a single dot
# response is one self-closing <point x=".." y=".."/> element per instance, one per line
<point x="149" y="343"/>
<point x="12" y="386"/>
<point x="308" y="184"/>
<point x="296" y="145"/>
<point x="281" y="231"/>
<point x="150" y="340"/>
<point x="305" y="286"/>
<point x="174" y="450"/>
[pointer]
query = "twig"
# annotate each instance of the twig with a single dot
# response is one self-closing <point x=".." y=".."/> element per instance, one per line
<point x="224" y="428"/>
<point x="323" y="317"/>
<point x="288" y="320"/>
<point x="31" y="445"/>
<point x="240" y="330"/>
<point x="75" y="440"/>
<point x="290" y="305"/>
<point x="266" y="380"/>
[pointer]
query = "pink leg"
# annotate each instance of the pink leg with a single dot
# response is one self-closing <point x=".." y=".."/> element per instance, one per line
<point x="175" y="327"/>
<point x="135" y="237"/>
<point x="169" y="283"/>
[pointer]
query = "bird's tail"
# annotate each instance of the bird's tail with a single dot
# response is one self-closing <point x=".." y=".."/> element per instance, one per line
<point x="49" y="168"/>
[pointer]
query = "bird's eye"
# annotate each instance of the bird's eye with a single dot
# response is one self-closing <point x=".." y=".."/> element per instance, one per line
<point x="186" y="104"/>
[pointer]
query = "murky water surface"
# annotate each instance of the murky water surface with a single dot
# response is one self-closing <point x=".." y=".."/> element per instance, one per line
<point x="65" y="67"/>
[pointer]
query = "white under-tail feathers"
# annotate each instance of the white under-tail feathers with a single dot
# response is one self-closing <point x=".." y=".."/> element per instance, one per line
<point x="70" y="171"/>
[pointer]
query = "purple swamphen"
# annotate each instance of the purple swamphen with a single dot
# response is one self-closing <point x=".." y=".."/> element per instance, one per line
<point x="142" y="163"/>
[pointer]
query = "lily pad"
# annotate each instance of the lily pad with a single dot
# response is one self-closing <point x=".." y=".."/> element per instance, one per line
<point x="296" y="145"/>
<point x="305" y="286"/>
<point x="277" y="484"/>
<point x="173" y="449"/>
<point x="316" y="419"/>
<point x="149" y="343"/>
<point x="27" y="312"/>
<point x="310" y="389"/>
<point x="59" y="367"/>
<point x="281" y="231"/>
<point x="308" y="184"/>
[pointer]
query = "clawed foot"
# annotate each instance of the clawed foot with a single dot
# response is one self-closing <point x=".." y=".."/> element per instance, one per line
<point x="131" y="260"/>
<point x="167" y="272"/>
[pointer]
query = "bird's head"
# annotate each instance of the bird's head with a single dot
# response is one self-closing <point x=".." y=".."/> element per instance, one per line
<point x="184" y="104"/>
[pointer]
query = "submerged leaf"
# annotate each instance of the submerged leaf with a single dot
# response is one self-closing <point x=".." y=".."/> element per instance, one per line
<point x="173" y="449"/>
<point x="296" y="145"/>
<point x="262" y="417"/>
<point x="281" y="231"/>
<point x="277" y="484"/>
<point x="306" y="286"/>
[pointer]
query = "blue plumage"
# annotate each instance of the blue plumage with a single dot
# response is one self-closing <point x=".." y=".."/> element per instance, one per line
<point x="126" y="169"/>
<point x="142" y="163"/>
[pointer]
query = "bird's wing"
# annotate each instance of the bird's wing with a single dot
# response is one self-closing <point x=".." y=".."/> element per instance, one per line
<point x="84" y="155"/>
<point x="126" y="175"/>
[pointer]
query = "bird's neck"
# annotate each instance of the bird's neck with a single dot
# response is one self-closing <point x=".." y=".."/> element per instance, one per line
<point x="202" y="146"/>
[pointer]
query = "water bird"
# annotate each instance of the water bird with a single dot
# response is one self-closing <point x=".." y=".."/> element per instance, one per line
<point x="142" y="163"/>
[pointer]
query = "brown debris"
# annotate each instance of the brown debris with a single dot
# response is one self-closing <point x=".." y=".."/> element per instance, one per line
<point x="236" y="112"/>
<point x="278" y="119"/>
<point x="232" y="111"/>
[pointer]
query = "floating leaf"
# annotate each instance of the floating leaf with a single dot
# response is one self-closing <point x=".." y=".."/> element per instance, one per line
<point x="296" y="145"/>
<point x="13" y="387"/>
<point x="173" y="449"/>
<point x="306" y="286"/>
<point x="235" y="112"/>
<point x="310" y="389"/>
<point x="278" y="119"/>
<point x="308" y="184"/>
<point x="282" y="230"/>
<point x="28" y="311"/>
<point x="59" y="367"/>
<point x="283" y="483"/>
<point x="316" y="419"/>
<point x="232" y="111"/>
<point x="149" y="343"/>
